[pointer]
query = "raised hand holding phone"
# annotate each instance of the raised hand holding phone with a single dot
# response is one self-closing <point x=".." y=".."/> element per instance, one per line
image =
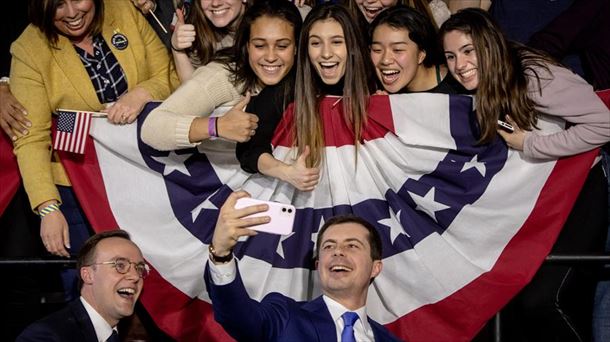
<point x="282" y="215"/>
<point x="233" y="223"/>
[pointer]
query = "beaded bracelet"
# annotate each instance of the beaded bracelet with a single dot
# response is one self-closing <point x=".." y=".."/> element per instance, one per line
<point x="48" y="209"/>
<point x="213" y="127"/>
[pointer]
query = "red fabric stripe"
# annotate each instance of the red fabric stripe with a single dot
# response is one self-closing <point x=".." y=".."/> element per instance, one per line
<point x="181" y="317"/>
<point x="9" y="172"/>
<point x="191" y="319"/>
<point x="448" y="319"/>
<point x="380" y="121"/>
<point x="88" y="185"/>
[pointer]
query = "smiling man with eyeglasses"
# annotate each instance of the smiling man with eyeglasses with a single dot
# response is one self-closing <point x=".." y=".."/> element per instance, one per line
<point x="111" y="270"/>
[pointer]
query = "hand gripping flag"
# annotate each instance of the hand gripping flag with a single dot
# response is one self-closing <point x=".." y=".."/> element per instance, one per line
<point x="464" y="226"/>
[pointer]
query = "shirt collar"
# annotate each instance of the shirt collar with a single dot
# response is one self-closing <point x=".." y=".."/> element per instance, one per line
<point x="336" y="310"/>
<point x="103" y="330"/>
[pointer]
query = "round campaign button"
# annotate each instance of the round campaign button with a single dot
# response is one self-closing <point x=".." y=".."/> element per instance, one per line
<point x="119" y="41"/>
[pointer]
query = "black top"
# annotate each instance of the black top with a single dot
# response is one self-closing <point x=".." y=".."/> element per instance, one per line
<point x="584" y="29"/>
<point x="332" y="89"/>
<point x="448" y="85"/>
<point x="269" y="106"/>
<point x="13" y="19"/>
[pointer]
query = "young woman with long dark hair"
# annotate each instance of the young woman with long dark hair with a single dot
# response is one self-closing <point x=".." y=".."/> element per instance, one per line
<point x="522" y="87"/>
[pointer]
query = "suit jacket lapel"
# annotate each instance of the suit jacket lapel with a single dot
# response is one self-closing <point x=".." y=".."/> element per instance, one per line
<point x="69" y="62"/>
<point x="83" y="320"/>
<point x="380" y="332"/>
<point x="321" y="319"/>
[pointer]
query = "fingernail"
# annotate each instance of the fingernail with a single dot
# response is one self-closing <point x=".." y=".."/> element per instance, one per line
<point x="29" y="124"/>
<point x="25" y="112"/>
<point x="24" y="132"/>
<point x="14" y="137"/>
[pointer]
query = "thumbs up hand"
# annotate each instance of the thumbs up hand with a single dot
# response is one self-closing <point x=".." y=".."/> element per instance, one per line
<point x="184" y="34"/>
<point x="236" y="124"/>
<point x="300" y="176"/>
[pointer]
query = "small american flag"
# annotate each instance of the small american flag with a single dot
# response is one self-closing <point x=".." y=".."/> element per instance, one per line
<point x="72" y="130"/>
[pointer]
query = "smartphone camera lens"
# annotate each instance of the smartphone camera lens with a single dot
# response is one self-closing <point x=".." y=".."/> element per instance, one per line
<point x="289" y="211"/>
<point x="283" y="210"/>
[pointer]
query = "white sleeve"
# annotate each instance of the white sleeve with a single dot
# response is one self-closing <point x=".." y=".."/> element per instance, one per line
<point x="223" y="274"/>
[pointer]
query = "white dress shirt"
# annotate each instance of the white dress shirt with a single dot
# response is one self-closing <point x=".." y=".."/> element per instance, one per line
<point x="362" y="329"/>
<point x="103" y="330"/>
<point x="223" y="274"/>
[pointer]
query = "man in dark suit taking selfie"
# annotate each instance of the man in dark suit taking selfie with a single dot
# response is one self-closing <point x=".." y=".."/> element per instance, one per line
<point x="348" y="258"/>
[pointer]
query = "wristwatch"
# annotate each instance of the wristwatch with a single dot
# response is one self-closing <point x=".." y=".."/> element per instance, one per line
<point x="219" y="259"/>
<point x="4" y="80"/>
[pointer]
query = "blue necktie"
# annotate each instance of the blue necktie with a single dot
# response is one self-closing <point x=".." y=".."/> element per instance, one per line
<point x="349" y="318"/>
<point x="114" y="337"/>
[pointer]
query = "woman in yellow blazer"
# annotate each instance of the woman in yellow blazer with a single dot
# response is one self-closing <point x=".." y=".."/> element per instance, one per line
<point x="56" y="63"/>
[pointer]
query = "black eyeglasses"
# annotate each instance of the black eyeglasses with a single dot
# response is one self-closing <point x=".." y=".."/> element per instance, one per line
<point x="123" y="265"/>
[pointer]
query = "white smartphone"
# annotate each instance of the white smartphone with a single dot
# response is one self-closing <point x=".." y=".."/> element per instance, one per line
<point x="282" y="215"/>
<point x="506" y="126"/>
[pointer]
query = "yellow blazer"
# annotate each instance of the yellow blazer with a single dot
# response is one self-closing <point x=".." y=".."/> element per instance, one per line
<point x="44" y="78"/>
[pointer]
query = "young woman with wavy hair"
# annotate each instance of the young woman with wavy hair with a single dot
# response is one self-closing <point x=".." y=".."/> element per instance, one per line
<point x="517" y="83"/>
<point x="521" y="86"/>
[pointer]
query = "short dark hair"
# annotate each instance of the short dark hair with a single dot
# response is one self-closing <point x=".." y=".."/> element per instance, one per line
<point x="421" y="31"/>
<point x="42" y="15"/>
<point x="86" y="255"/>
<point x="374" y="237"/>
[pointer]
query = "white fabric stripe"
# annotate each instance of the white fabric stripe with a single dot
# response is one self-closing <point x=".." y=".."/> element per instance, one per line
<point x="428" y="120"/>
<point x="438" y="266"/>
<point x="169" y="247"/>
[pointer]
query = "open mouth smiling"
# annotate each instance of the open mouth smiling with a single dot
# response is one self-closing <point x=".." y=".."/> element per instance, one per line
<point x="126" y="292"/>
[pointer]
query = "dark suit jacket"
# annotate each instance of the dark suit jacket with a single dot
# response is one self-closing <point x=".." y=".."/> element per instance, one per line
<point x="71" y="323"/>
<point x="276" y="317"/>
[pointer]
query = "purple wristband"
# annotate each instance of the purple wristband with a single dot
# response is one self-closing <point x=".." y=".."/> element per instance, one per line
<point x="212" y="127"/>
